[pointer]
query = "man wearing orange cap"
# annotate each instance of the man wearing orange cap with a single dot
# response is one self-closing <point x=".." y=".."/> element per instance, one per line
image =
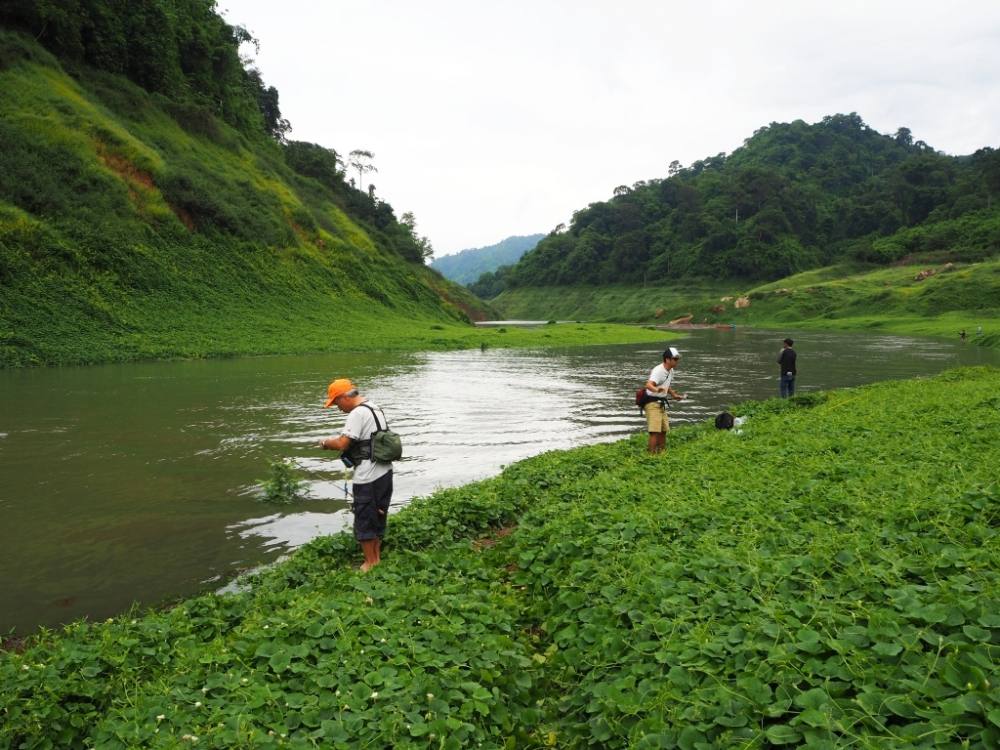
<point x="372" y="483"/>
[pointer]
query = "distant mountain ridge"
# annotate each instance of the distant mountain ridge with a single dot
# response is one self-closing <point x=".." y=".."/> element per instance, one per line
<point x="468" y="265"/>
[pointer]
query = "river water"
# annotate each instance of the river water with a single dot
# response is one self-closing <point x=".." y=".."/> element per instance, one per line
<point x="140" y="482"/>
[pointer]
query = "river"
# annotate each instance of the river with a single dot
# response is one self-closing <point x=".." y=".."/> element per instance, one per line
<point x="141" y="482"/>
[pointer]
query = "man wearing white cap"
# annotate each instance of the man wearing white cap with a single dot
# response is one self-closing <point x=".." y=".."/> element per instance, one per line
<point x="658" y="390"/>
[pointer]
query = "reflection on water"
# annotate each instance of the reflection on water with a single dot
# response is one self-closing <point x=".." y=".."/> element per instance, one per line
<point x="141" y="482"/>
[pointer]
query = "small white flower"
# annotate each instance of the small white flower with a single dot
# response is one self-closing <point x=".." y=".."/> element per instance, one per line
<point x="430" y="696"/>
<point x="244" y="681"/>
<point x="161" y="717"/>
<point x="266" y="627"/>
<point x="369" y="600"/>
<point x="26" y="668"/>
<point x="374" y="696"/>
<point x="197" y="704"/>
<point x="382" y="641"/>
<point x="134" y="622"/>
<point x="337" y="693"/>
<point x="204" y="690"/>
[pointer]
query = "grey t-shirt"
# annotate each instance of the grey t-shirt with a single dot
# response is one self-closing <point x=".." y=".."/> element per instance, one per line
<point x="359" y="427"/>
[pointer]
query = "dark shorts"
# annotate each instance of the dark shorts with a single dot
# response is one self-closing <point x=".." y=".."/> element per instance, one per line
<point x="371" y="508"/>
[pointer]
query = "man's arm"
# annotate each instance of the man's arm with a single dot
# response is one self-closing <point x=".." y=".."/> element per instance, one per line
<point x="654" y="388"/>
<point x="340" y="443"/>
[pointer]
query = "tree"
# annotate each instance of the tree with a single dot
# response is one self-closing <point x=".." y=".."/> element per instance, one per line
<point x="423" y="244"/>
<point x="361" y="161"/>
<point x="674" y="168"/>
<point x="313" y="160"/>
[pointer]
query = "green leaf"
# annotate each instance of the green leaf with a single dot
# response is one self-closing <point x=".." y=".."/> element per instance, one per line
<point x="887" y="649"/>
<point x="814" y="718"/>
<point x="782" y="734"/>
<point x="815" y="698"/>
<point x="976" y="634"/>
<point x="690" y="738"/>
<point x="280" y="661"/>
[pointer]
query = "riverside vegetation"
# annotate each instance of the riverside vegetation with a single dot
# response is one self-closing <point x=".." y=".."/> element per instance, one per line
<point x="829" y="577"/>
<point x="851" y="296"/>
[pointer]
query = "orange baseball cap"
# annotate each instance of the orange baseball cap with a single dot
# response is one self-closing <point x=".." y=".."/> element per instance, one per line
<point x="336" y="389"/>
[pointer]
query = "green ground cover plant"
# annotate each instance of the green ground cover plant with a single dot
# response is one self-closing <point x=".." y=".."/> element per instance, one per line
<point x="953" y="297"/>
<point x="829" y="577"/>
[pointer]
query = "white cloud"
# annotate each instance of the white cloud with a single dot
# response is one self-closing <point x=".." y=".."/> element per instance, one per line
<point x="495" y="119"/>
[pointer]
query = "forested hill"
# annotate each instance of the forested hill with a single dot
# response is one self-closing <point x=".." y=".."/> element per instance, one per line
<point x="468" y="265"/>
<point x="795" y="196"/>
<point x="152" y="206"/>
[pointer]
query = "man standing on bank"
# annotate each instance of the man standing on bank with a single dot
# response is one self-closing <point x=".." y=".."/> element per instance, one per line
<point x="372" y="483"/>
<point x="786" y="361"/>
<point x="657" y="390"/>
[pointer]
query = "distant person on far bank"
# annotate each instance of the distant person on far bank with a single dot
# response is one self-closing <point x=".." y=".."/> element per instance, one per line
<point x="372" y="483"/>
<point x="658" y="391"/>
<point x="786" y="363"/>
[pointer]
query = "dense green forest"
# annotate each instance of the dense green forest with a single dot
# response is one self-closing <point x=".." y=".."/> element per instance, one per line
<point x="795" y="196"/>
<point x="152" y="206"/>
<point x="468" y="265"/>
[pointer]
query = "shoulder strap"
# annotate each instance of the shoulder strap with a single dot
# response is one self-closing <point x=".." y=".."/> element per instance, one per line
<point x="378" y="427"/>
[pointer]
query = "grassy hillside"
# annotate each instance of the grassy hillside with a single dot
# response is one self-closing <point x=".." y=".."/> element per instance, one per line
<point x="953" y="297"/>
<point x="828" y="577"/>
<point x="133" y="227"/>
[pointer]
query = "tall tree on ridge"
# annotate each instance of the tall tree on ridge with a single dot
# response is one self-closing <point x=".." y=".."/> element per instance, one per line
<point x="362" y="161"/>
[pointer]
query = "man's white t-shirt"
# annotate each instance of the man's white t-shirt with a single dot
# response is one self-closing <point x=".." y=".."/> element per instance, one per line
<point x="359" y="427"/>
<point x="662" y="377"/>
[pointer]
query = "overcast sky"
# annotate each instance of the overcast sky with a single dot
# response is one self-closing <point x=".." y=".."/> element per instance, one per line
<point x="494" y="119"/>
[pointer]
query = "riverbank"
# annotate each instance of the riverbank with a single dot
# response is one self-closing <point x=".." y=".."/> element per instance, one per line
<point x="924" y="299"/>
<point x="831" y="574"/>
<point x="365" y="330"/>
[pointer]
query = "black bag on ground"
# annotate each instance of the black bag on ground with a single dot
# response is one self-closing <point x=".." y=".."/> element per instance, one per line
<point x="725" y="421"/>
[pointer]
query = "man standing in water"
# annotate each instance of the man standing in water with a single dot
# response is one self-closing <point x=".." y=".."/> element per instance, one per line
<point x="372" y="483"/>
<point x="786" y="361"/>
<point x="657" y="390"/>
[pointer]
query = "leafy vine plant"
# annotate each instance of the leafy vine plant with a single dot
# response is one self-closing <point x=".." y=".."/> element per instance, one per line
<point x="284" y="486"/>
